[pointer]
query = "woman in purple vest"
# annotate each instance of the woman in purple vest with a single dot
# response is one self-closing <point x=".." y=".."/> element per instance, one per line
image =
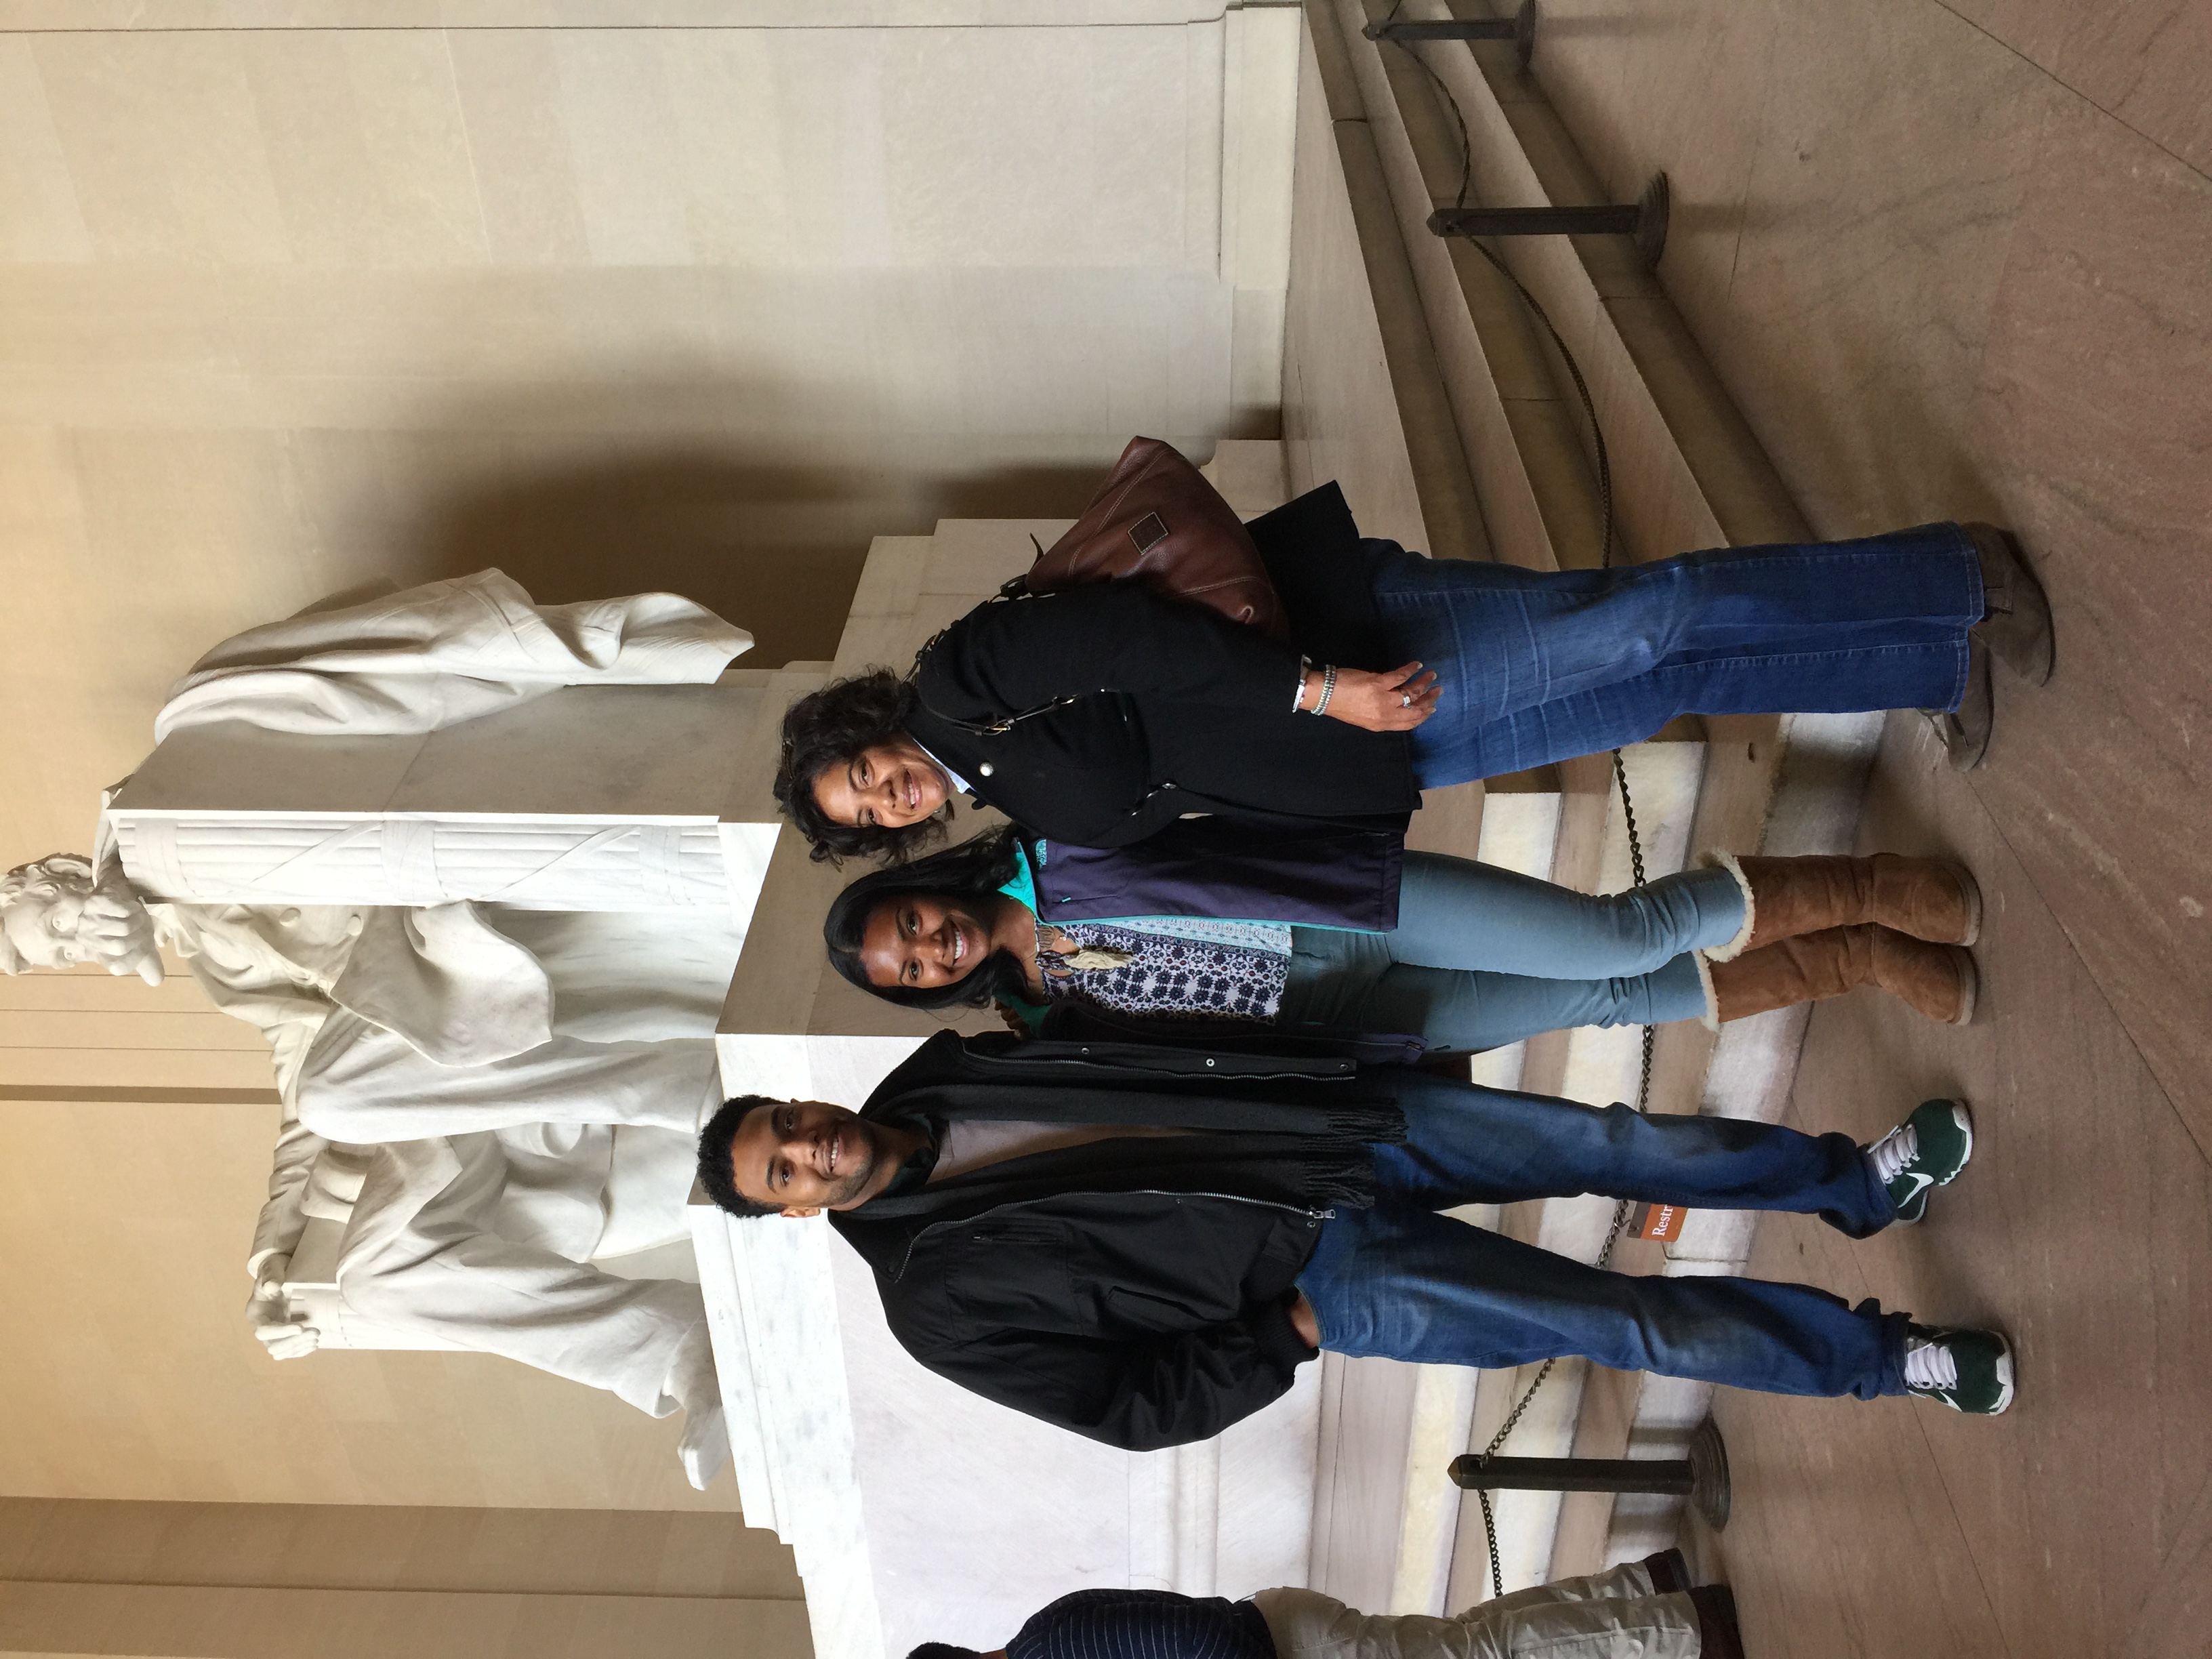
<point x="1345" y="932"/>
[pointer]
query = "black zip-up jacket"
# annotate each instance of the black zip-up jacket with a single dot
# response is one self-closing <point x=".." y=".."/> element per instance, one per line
<point x="1135" y="1291"/>
<point x="1098" y="715"/>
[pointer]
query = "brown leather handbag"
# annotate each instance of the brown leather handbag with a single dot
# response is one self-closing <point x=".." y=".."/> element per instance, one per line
<point x="1158" y="521"/>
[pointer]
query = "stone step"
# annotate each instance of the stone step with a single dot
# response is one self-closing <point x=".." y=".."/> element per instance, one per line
<point x="1452" y="1409"/>
<point x="1687" y="473"/>
<point x="1363" y="401"/>
<point x="1521" y="442"/>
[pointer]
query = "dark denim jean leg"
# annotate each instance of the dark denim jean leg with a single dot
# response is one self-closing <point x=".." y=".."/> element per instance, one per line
<point x="1468" y="1145"/>
<point x="1538" y="666"/>
<point x="1412" y="1285"/>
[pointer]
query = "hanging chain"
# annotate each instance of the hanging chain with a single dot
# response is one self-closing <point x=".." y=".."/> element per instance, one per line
<point x="1620" y="766"/>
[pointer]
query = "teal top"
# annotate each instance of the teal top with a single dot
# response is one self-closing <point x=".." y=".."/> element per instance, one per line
<point x="1023" y="886"/>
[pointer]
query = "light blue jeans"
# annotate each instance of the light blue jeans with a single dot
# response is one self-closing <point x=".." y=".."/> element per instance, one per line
<point x="1484" y="957"/>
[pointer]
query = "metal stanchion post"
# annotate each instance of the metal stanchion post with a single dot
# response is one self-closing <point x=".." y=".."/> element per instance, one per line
<point x="1645" y="220"/>
<point x="1702" y="1477"/>
<point x="1520" y="29"/>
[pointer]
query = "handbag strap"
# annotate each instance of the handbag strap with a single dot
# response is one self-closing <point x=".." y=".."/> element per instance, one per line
<point x="1008" y="590"/>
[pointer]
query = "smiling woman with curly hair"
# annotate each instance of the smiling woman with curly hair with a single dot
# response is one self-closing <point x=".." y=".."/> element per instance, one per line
<point x="846" y="718"/>
<point x="1100" y="714"/>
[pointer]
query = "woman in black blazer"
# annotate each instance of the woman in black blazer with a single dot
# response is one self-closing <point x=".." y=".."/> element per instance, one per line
<point x="1100" y="714"/>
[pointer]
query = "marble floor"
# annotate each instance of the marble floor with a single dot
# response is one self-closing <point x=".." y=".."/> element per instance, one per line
<point x="2078" y="1523"/>
<point x="1955" y="260"/>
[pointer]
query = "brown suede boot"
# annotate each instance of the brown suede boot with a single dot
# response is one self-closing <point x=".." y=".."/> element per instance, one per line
<point x="1928" y="898"/>
<point x="1938" y="980"/>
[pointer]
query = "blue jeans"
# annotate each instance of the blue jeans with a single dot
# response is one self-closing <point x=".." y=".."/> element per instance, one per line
<point x="1537" y="667"/>
<point x="1484" y="957"/>
<point x="1402" y="1282"/>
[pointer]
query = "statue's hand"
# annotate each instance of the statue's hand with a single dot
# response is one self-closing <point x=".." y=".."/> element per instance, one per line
<point x="116" y="931"/>
<point x="288" y="1341"/>
<point x="270" y="1313"/>
<point x="269" y="1282"/>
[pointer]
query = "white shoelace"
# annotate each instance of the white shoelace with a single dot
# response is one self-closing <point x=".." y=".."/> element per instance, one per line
<point x="1894" y="1152"/>
<point x="1930" y="1364"/>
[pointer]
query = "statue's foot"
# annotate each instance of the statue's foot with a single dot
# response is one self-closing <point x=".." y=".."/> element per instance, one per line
<point x="706" y="1445"/>
<point x="693" y="1382"/>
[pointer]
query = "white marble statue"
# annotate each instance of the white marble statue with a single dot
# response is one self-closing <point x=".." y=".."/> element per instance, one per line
<point x="407" y="749"/>
<point x="377" y="660"/>
<point x="52" y="914"/>
<point x="441" y="982"/>
<point x="477" y="1229"/>
<point x="488" y="1242"/>
<point x="539" y="1077"/>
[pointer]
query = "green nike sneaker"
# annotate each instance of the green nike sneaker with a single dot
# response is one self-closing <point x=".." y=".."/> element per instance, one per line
<point x="1926" y="1151"/>
<point x="1969" y="1371"/>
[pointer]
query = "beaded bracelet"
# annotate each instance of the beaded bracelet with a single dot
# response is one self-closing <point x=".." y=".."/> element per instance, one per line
<point x="1327" y="685"/>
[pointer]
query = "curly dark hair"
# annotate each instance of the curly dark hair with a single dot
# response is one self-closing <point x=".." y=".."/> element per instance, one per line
<point x="972" y="873"/>
<point x="714" y="1172"/>
<point x="829" y="729"/>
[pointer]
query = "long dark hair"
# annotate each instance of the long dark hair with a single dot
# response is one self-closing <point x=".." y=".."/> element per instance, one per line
<point x="970" y="873"/>
<point x="829" y="729"/>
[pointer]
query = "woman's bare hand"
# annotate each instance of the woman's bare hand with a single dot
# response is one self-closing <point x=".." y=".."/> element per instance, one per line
<point x="1397" y="700"/>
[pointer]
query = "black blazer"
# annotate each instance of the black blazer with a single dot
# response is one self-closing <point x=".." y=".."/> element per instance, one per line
<point x="1099" y="715"/>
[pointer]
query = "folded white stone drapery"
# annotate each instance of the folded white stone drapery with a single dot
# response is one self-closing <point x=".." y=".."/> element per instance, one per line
<point x="398" y="663"/>
<point x="426" y="658"/>
<point x="449" y="983"/>
<point x="441" y="1240"/>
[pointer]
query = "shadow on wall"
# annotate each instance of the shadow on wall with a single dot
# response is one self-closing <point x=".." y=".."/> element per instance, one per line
<point x="755" y="496"/>
<point x="776" y="547"/>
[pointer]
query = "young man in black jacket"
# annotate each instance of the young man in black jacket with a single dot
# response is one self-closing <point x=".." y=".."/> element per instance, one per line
<point x="1142" y="1242"/>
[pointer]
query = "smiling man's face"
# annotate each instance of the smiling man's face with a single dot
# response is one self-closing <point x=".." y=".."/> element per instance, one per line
<point x="805" y="1155"/>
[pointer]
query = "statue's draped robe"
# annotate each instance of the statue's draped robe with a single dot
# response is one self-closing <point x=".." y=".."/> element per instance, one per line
<point x="438" y="986"/>
<point x="484" y="1237"/>
<point x="430" y="657"/>
<point x="534" y="1118"/>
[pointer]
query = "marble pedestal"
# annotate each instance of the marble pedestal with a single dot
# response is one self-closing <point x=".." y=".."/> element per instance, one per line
<point x="607" y="798"/>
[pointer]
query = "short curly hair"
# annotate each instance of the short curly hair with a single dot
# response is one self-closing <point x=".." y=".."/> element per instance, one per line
<point x="715" y="1173"/>
<point x="829" y="729"/>
<point x="56" y="872"/>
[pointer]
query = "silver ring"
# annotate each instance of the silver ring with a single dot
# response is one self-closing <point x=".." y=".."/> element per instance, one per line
<point x="1406" y="701"/>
